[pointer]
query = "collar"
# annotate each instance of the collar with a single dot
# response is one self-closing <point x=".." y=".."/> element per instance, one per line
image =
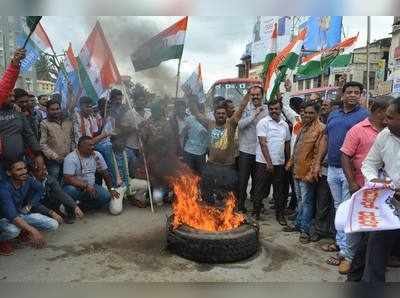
<point x="269" y="118"/>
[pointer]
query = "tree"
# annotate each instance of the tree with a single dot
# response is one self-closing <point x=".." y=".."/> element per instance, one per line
<point x="46" y="68"/>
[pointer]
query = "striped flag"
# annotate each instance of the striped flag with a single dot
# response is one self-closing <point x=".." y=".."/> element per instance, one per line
<point x="39" y="41"/>
<point x="166" y="45"/>
<point x="194" y="85"/>
<point x="69" y="74"/>
<point x="97" y="68"/>
<point x="285" y="59"/>
<point x="338" y="56"/>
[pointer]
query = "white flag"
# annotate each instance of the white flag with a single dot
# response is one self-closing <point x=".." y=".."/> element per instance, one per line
<point x="194" y="85"/>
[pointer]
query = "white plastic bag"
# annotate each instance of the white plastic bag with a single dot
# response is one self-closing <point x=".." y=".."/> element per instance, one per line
<point x="115" y="206"/>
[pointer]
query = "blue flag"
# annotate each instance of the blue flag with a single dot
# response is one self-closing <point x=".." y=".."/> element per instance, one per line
<point x="322" y="32"/>
<point x="32" y="52"/>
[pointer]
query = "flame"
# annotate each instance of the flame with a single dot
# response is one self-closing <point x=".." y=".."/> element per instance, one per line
<point x="190" y="210"/>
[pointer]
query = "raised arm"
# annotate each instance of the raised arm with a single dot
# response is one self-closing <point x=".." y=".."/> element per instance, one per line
<point x="238" y="114"/>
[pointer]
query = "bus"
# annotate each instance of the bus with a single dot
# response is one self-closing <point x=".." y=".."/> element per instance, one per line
<point x="233" y="89"/>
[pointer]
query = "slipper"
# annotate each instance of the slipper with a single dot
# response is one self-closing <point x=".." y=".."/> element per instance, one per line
<point x="334" y="260"/>
<point x="330" y="247"/>
<point x="315" y="237"/>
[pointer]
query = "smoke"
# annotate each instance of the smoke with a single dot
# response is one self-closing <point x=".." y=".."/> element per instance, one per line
<point x="125" y="35"/>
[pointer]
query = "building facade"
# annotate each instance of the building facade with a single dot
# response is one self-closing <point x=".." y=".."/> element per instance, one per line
<point x="10" y="28"/>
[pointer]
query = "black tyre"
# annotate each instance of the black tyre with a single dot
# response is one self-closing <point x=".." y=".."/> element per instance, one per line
<point x="213" y="247"/>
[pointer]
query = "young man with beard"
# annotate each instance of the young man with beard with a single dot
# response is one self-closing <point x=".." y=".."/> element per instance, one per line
<point x="384" y="154"/>
<point x="254" y="112"/>
<point x="339" y="123"/>
<point x="56" y="140"/>
<point x="272" y="153"/>
<point x="308" y="153"/>
<point x="24" y="101"/>
<point x="19" y="195"/>
<point x="220" y="175"/>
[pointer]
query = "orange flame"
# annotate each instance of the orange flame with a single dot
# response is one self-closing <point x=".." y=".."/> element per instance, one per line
<point x="189" y="210"/>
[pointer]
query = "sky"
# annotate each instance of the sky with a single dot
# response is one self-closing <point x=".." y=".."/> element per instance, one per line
<point x="215" y="42"/>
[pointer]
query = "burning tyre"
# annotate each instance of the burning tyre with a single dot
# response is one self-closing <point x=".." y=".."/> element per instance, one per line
<point x="213" y="247"/>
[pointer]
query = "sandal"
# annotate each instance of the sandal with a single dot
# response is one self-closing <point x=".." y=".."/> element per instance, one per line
<point x="304" y="238"/>
<point x="334" y="260"/>
<point x="330" y="247"/>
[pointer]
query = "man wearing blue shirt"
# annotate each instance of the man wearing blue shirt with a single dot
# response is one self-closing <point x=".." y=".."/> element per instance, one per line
<point x="339" y="123"/>
<point x="20" y="194"/>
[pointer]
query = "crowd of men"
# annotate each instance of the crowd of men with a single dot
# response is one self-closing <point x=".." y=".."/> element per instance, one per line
<point x="55" y="165"/>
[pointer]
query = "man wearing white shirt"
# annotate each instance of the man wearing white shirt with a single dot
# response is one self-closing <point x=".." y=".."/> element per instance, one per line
<point x="271" y="155"/>
<point x="384" y="154"/>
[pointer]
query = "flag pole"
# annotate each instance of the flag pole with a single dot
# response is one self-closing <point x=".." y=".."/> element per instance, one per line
<point x="141" y="147"/>
<point x="178" y="78"/>
<point x="368" y="40"/>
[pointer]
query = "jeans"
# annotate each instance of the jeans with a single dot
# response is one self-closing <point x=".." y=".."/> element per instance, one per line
<point x="306" y="211"/>
<point x="340" y="193"/>
<point x="105" y="149"/>
<point x="262" y="187"/>
<point x="101" y="199"/>
<point x="247" y="168"/>
<point x="41" y="222"/>
<point x="195" y="162"/>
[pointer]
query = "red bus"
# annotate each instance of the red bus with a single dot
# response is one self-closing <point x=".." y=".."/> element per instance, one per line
<point x="233" y="89"/>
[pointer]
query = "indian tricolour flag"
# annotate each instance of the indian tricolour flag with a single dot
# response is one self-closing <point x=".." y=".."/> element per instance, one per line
<point x="194" y="85"/>
<point x="97" y="68"/>
<point x="166" y="45"/>
<point x="285" y="59"/>
<point x="338" y="56"/>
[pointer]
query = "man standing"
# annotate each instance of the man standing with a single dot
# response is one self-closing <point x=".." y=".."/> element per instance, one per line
<point x="18" y="195"/>
<point x="219" y="175"/>
<point x="24" y="101"/>
<point x="339" y="123"/>
<point x="177" y="123"/>
<point x="384" y="154"/>
<point x="41" y="110"/>
<point x="248" y="142"/>
<point x="56" y="140"/>
<point x="309" y="151"/>
<point x="272" y="153"/>
<point x="356" y="146"/>
<point x="80" y="167"/>
<point x="15" y="135"/>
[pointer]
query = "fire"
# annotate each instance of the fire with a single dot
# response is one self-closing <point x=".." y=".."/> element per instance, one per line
<point x="190" y="210"/>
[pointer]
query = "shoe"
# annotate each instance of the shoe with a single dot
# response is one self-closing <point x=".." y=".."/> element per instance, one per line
<point x="315" y="237"/>
<point x="304" y="238"/>
<point x="281" y="220"/>
<point x="290" y="229"/>
<point x="292" y="217"/>
<point x="344" y="267"/>
<point x="289" y="211"/>
<point x="6" y="248"/>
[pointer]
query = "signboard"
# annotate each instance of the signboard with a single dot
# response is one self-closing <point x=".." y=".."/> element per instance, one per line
<point x="262" y="33"/>
<point x="340" y="70"/>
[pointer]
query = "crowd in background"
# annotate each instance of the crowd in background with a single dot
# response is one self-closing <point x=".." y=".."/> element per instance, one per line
<point x="311" y="155"/>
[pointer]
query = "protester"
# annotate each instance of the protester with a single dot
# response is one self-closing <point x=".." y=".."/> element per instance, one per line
<point x="324" y="221"/>
<point x="384" y="154"/>
<point x="10" y="76"/>
<point x="121" y="179"/>
<point x="308" y="154"/>
<point x="196" y="140"/>
<point x="16" y="137"/>
<point x="315" y="97"/>
<point x="85" y="124"/>
<point x="19" y="195"/>
<point x="254" y="112"/>
<point x="356" y="146"/>
<point x="53" y="197"/>
<point x="217" y="101"/>
<point x="56" y="140"/>
<point x="339" y="123"/>
<point x="80" y="167"/>
<point x="219" y="175"/>
<point x="40" y="110"/>
<point x="272" y="153"/>
<point x="24" y="101"/>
